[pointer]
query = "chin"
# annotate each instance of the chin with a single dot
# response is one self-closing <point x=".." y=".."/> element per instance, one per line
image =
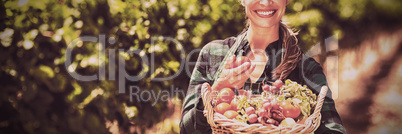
<point x="265" y="24"/>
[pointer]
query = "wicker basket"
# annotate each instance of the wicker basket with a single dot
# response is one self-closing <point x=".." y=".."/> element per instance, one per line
<point x="221" y="124"/>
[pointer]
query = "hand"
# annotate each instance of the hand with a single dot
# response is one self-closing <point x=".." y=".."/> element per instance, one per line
<point x="234" y="74"/>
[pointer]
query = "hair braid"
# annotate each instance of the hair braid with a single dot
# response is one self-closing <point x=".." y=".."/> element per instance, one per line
<point x="292" y="56"/>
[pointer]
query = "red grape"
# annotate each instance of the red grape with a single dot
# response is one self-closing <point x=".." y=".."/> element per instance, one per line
<point x="252" y="118"/>
<point x="267" y="106"/>
<point x="266" y="88"/>
<point x="250" y="110"/>
<point x="278" y="84"/>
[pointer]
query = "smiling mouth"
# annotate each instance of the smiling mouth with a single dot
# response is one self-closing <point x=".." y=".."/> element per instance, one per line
<point x="265" y="13"/>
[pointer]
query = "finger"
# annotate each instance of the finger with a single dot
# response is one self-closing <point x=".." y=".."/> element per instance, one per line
<point x="240" y="69"/>
<point x="249" y="71"/>
<point x="230" y="61"/>
<point x="225" y="74"/>
<point x="242" y="77"/>
<point x="235" y="73"/>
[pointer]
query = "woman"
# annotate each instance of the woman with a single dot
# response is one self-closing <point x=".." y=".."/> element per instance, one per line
<point x="268" y="41"/>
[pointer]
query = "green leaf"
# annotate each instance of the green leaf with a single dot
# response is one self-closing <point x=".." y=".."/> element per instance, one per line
<point x="305" y="108"/>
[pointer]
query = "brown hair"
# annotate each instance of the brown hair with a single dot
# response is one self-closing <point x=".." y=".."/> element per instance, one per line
<point x="293" y="54"/>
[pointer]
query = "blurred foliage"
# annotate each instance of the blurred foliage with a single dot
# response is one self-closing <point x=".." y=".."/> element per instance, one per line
<point x="39" y="96"/>
<point x="349" y="20"/>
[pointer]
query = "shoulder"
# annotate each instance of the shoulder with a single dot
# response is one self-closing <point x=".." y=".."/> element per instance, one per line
<point x="218" y="47"/>
<point x="309" y="64"/>
<point x="213" y="53"/>
<point x="219" y="44"/>
<point x="306" y="66"/>
<point x="309" y="72"/>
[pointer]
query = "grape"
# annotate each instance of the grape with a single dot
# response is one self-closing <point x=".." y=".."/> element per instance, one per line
<point x="271" y="121"/>
<point x="250" y="110"/>
<point x="262" y="121"/>
<point x="252" y="118"/>
<point x="267" y="100"/>
<point x="277" y="115"/>
<point x="274" y="89"/>
<point x="278" y="84"/>
<point x="267" y="106"/>
<point x="263" y="113"/>
<point x="275" y="105"/>
<point x="266" y="88"/>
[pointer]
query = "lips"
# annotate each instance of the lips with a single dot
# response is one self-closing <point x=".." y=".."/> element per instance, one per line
<point x="265" y="13"/>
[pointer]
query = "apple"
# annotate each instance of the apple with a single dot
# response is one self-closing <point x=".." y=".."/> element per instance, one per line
<point x="289" y="109"/>
<point x="234" y="104"/>
<point x="222" y="108"/>
<point x="288" y="122"/>
<point x="225" y="95"/>
<point x="230" y="114"/>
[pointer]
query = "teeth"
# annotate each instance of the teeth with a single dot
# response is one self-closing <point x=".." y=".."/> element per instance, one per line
<point x="265" y="12"/>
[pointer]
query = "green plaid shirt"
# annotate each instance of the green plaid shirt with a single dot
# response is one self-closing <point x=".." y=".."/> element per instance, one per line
<point x="308" y="72"/>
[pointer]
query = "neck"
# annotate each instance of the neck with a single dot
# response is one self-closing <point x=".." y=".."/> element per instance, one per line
<point x="260" y="38"/>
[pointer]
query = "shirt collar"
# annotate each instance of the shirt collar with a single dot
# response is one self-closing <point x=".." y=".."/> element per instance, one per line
<point x="274" y="48"/>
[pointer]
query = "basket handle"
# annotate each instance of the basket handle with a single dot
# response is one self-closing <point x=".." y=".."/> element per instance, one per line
<point x="207" y="96"/>
<point x="320" y="101"/>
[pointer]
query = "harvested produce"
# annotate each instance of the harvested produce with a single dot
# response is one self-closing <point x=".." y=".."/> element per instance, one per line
<point x="278" y="104"/>
<point x="222" y="108"/>
<point x="230" y="114"/>
<point x="225" y="95"/>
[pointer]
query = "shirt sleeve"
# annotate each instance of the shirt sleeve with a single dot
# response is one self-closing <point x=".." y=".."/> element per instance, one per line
<point x="314" y="78"/>
<point x="193" y="120"/>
